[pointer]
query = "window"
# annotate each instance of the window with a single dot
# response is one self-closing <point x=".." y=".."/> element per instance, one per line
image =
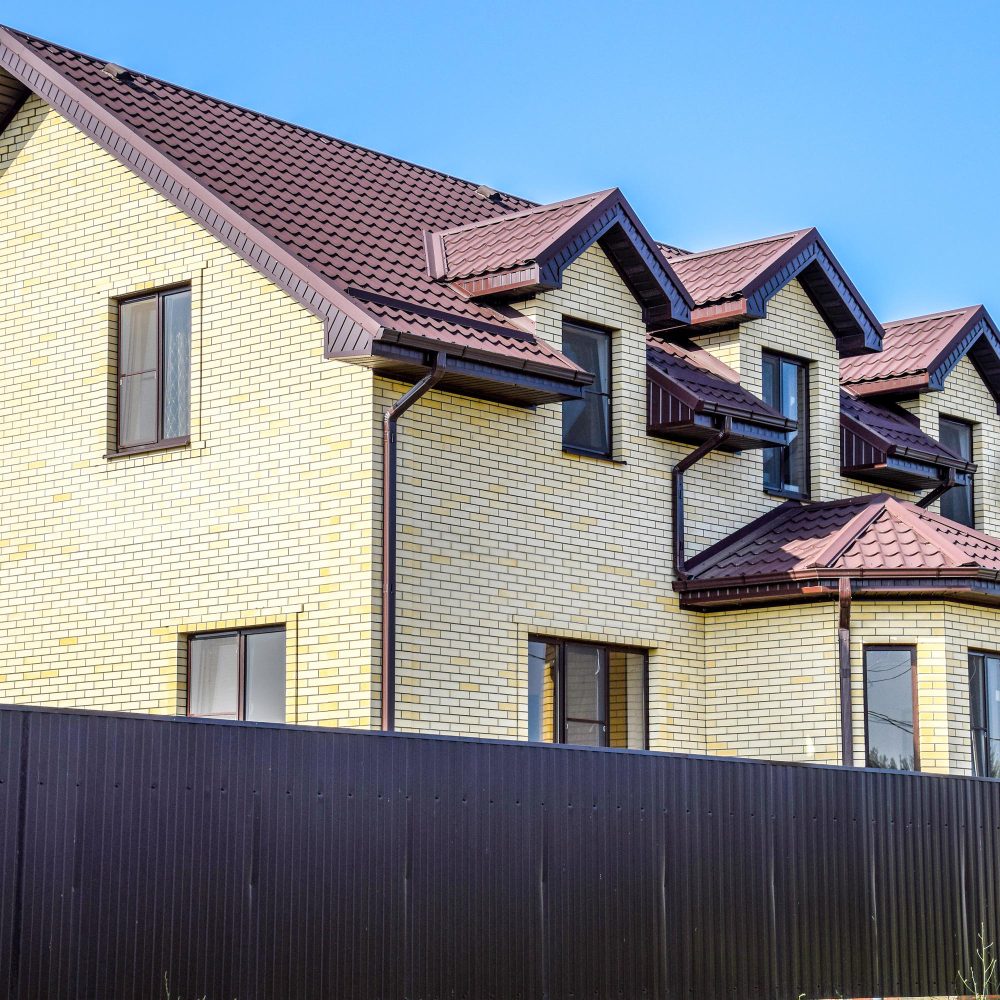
<point x="786" y="388"/>
<point x="587" y="421"/>
<point x="586" y="694"/>
<point x="890" y="708"/>
<point x="238" y="675"/>
<point x="154" y="370"/>
<point x="959" y="502"/>
<point x="984" y="713"/>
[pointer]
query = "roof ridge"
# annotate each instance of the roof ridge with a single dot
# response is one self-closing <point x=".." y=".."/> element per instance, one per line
<point x="929" y="534"/>
<point x="523" y="213"/>
<point x="24" y="35"/>
<point x="958" y="311"/>
<point x="849" y="533"/>
<point x="923" y="514"/>
<point x="746" y="243"/>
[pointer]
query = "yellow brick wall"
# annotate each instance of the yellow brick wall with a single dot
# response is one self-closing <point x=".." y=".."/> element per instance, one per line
<point x="772" y="683"/>
<point x="267" y="516"/>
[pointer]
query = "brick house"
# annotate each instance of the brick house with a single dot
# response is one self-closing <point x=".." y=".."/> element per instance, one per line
<point x="701" y="502"/>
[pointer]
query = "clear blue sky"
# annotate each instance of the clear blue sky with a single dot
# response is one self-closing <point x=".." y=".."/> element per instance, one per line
<point x="874" y="120"/>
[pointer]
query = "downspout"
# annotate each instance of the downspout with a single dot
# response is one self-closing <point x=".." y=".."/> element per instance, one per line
<point x="844" y="658"/>
<point x="389" y="419"/>
<point x="677" y="489"/>
<point x="938" y="491"/>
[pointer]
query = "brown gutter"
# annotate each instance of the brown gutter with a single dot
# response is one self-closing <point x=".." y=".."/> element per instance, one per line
<point x="938" y="491"/>
<point x="389" y="419"/>
<point x="844" y="658"/>
<point x="677" y="489"/>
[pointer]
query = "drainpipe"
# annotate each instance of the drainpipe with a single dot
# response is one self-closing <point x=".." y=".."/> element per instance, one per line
<point x="677" y="488"/>
<point x="389" y="419"/>
<point x="940" y="490"/>
<point x="844" y="657"/>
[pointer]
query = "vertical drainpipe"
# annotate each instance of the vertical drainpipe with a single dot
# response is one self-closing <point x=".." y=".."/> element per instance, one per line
<point x="844" y="657"/>
<point x="389" y="419"/>
<point x="677" y="489"/>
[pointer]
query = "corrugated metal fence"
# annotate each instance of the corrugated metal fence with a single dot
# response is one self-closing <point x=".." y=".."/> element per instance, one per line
<point x="280" y="863"/>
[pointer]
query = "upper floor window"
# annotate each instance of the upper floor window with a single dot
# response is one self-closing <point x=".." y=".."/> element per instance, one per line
<point x="154" y="370"/>
<point x="587" y="694"/>
<point x="959" y="502"/>
<point x="984" y="713"/>
<point x="238" y="674"/>
<point x="587" y="422"/>
<point x="890" y="708"/>
<point x="786" y="388"/>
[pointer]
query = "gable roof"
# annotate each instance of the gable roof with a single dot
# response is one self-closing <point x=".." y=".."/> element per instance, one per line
<point x="878" y="542"/>
<point x="882" y="443"/>
<point x="734" y="283"/>
<point x="919" y="353"/>
<point x="690" y="393"/>
<point x="337" y="226"/>
<point x="519" y="253"/>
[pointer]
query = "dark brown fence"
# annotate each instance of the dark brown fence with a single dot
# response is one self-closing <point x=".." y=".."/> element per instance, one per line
<point x="280" y="863"/>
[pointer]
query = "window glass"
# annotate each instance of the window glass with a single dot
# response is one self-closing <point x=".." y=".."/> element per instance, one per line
<point x="265" y="676"/>
<point x="139" y="347"/>
<point x="176" y="364"/>
<point x="137" y="409"/>
<point x="786" y="388"/>
<point x="542" y="692"/>
<point x="214" y="684"/>
<point x="587" y="421"/>
<point x="626" y="699"/>
<point x="890" y="709"/>
<point x="958" y="503"/>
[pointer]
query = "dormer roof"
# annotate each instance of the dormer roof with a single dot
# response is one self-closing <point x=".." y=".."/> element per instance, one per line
<point x="734" y="283"/>
<point x="520" y="253"/>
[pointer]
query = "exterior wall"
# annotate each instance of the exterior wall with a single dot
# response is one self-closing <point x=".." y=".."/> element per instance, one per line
<point x="772" y="683"/>
<point x="267" y="517"/>
<point x="504" y="535"/>
<point x="965" y="396"/>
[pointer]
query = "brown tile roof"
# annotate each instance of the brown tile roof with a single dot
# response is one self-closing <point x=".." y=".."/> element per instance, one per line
<point x="729" y="272"/>
<point x="506" y="241"/>
<point x="914" y="350"/>
<point x="865" y="537"/>
<point x="350" y="220"/>
<point x="732" y="283"/>
<point x="897" y="431"/>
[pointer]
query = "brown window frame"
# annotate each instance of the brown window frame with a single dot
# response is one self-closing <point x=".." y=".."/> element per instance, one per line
<point x="607" y="395"/>
<point x="161" y="443"/>
<point x="878" y="647"/>
<point x="241" y="666"/>
<point x="802" y="428"/>
<point x="970" y="426"/>
<point x="560" y="719"/>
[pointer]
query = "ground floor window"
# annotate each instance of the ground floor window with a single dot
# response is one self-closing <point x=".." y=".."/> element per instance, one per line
<point x="238" y="674"/>
<point x="984" y="713"/>
<point x="588" y="694"/>
<point x="890" y="708"/>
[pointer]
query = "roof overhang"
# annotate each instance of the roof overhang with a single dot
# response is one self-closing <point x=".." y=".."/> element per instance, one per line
<point x="974" y="587"/>
<point x="675" y="412"/>
<point x="810" y="260"/>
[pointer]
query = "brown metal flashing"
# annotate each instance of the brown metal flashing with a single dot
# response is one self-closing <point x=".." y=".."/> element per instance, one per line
<point x="193" y="198"/>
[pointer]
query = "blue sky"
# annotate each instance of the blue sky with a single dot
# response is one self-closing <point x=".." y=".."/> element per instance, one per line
<point x="875" y="121"/>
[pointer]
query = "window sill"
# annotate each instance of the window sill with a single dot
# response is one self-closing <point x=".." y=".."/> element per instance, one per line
<point x="594" y="456"/>
<point x="153" y="449"/>
<point x="786" y="494"/>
